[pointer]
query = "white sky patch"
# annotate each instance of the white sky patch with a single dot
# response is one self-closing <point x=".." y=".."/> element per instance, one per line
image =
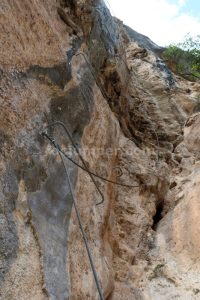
<point x="181" y="2"/>
<point x="161" y="21"/>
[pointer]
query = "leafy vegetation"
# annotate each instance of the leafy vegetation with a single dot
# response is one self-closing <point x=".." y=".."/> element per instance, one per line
<point x="184" y="58"/>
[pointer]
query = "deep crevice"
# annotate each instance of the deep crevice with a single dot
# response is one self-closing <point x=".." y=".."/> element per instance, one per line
<point x="158" y="216"/>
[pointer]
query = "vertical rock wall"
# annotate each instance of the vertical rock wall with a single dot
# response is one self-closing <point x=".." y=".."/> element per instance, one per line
<point x="70" y="61"/>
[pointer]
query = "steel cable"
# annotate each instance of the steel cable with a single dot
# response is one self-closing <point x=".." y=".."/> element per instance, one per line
<point x="80" y="156"/>
<point x="81" y="228"/>
<point x="104" y="93"/>
<point x="86" y="169"/>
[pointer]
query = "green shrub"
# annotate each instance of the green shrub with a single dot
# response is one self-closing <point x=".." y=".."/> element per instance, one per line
<point x="184" y="58"/>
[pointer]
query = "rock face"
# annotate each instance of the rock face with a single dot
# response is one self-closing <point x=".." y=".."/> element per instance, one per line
<point x="133" y="122"/>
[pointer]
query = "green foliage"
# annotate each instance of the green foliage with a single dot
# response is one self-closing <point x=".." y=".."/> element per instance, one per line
<point x="185" y="57"/>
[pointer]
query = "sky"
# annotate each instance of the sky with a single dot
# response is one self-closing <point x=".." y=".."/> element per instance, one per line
<point x="163" y="21"/>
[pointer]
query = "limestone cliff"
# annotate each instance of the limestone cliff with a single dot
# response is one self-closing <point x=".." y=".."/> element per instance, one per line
<point x="134" y="122"/>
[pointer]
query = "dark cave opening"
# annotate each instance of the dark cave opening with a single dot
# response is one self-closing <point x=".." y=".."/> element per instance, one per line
<point x="158" y="215"/>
